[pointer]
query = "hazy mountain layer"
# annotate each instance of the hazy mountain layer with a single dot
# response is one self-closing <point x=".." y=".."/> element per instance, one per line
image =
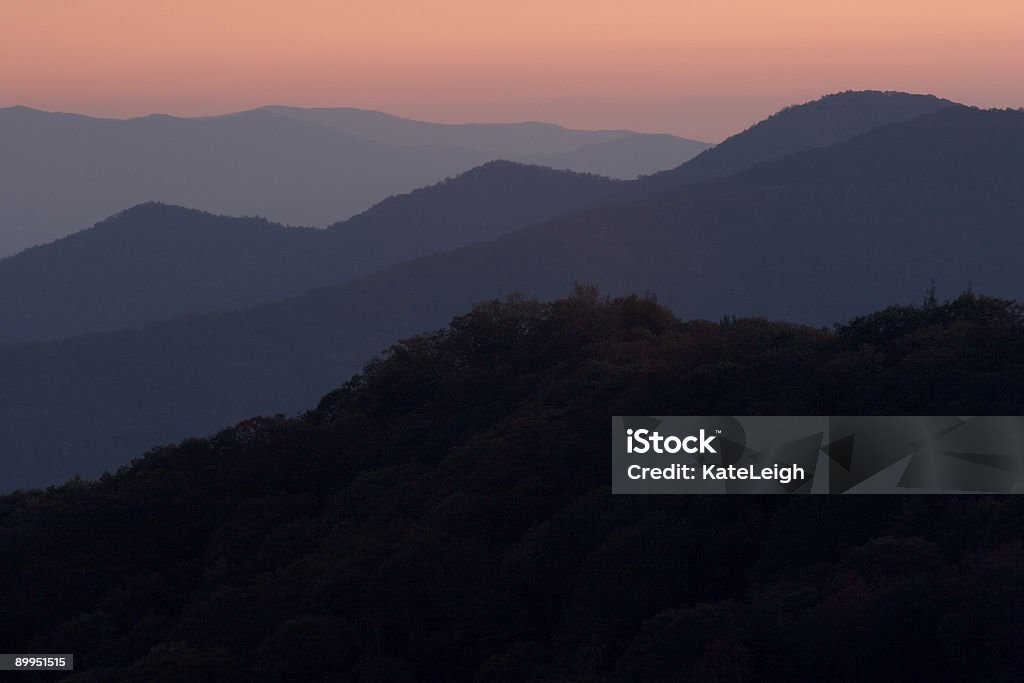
<point x="154" y="261"/>
<point x="820" y="123"/>
<point x="61" y="172"/>
<point x="816" y="237"/>
<point x="512" y="139"/>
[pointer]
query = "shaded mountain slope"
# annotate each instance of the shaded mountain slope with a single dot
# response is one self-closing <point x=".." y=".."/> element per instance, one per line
<point x="476" y="206"/>
<point x="446" y="516"/>
<point x="150" y="261"/>
<point x="94" y="282"/>
<point x="61" y="171"/>
<point x="154" y="262"/>
<point x="817" y="237"/>
<point x="826" y="121"/>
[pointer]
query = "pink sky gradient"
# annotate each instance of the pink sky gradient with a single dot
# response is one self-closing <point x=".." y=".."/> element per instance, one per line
<point x="698" y="68"/>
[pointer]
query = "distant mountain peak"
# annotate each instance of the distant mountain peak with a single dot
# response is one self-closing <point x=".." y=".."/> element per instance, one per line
<point x="153" y="208"/>
<point x="828" y="120"/>
<point x="883" y="101"/>
<point x="507" y="166"/>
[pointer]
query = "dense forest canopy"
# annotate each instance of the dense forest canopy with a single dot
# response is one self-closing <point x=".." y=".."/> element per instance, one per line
<point x="446" y="515"/>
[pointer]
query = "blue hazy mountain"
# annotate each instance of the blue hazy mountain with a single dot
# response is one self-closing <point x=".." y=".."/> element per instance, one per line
<point x="817" y="237"/>
<point x="62" y="172"/>
<point x="155" y="262"/>
<point x="819" y="123"/>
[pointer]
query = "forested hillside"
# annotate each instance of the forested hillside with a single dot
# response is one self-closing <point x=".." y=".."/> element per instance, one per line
<point x="446" y="515"/>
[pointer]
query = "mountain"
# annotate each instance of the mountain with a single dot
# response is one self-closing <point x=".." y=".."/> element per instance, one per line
<point x="314" y="166"/>
<point x="614" y="153"/>
<point x="154" y="261"/>
<point x="62" y="171"/>
<point x="816" y="237"/>
<point x="446" y="516"/>
<point x="625" y="157"/>
<point x="509" y="139"/>
<point x="826" y="121"/>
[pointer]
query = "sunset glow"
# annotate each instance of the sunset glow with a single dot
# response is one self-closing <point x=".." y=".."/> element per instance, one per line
<point x="698" y="68"/>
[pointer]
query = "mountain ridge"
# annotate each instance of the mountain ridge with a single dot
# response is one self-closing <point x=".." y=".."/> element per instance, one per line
<point x="342" y="257"/>
<point x="156" y="261"/>
<point x="825" y="121"/>
<point x="816" y="237"/>
<point x="67" y="170"/>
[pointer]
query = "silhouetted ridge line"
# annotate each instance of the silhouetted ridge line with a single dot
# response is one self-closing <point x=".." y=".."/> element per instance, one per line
<point x="819" y="123"/>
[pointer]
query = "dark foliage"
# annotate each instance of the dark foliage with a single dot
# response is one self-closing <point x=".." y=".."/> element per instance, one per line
<point x="446" y="515"/>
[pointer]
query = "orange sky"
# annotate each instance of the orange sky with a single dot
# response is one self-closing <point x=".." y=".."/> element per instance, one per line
<point x="700" y="68"/>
